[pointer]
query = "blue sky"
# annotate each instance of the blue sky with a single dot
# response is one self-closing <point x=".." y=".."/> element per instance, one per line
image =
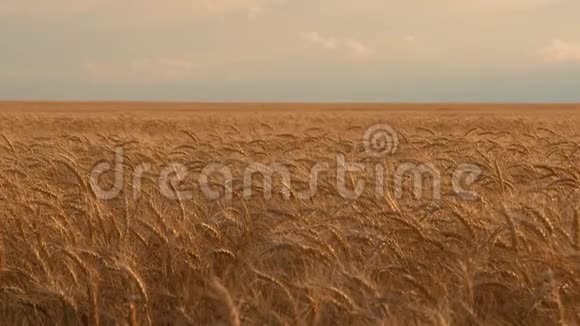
<point x="291" y="50"/>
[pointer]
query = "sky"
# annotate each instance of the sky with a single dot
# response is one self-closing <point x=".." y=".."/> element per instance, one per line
<point x="291" y="50"/>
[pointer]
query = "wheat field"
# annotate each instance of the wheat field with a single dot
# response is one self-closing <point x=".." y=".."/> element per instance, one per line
<point x="507" y="256"/>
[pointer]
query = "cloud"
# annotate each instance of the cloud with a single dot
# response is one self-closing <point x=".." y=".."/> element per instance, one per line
<point x="561" y="52"/>
<point x="317" y="39"/>
<point x="143" y="70"/>
<point x="354" y="49"/>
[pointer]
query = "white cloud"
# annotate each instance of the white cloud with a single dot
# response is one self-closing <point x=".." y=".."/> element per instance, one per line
<point x="561" y="52"/>
<point x="141" y="70"/>
<point x="354" y="49"/>
<point x="317" y="39"/>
